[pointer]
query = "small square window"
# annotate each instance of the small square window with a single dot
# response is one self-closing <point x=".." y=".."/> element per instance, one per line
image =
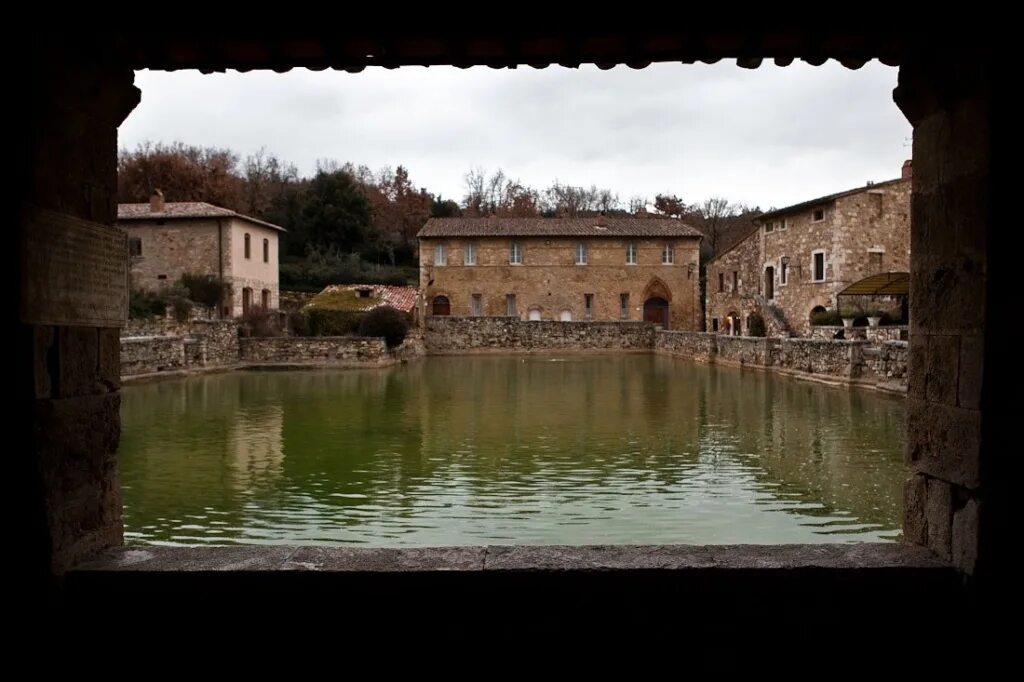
<point x="818" y="215"/>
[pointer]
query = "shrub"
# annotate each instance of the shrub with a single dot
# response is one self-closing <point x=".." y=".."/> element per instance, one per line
<point x="144" y="305"/>
<point x="387" y="322"/>
<point x="756" y="325"/>
<point x="321" y="322"/>
<point x="260" y="322"/>
<point x="297" y="324"/>
<point x="202" y="289"/>
<point x="828" y="317"/>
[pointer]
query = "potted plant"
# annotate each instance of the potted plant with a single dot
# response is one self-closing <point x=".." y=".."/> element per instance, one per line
<point x="849" y="314"/>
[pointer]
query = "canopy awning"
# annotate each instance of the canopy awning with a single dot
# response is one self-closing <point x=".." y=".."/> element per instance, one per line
<point x="882" y="284"/>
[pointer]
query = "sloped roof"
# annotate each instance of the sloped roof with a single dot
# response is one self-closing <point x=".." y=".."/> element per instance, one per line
<point x="601" y="226"/>
<point x="185" y="209"/>
<point x="402" y="298"/>
<point x="803" y="205"/>
<point x="882" y="284"/>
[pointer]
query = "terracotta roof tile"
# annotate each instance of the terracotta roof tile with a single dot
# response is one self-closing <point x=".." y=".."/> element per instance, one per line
<point x="558" y="227"/>
<point x="402" y="298"/>
<point x="185" y="209"/>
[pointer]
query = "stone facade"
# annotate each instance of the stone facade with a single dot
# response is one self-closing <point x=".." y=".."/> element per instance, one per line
<point x="338" y="351"/>
<point x="777" y="270"/>
<point x="549" y="285"/>
<point x="457" y="335"/>
<point x="175" y="239"/>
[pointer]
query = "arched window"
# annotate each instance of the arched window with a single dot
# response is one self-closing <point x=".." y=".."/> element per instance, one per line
<point x="265" y="298"/>
<point x="266" y="250"/>
<point x="248" y="245"/>
<point x="246" y="299"/>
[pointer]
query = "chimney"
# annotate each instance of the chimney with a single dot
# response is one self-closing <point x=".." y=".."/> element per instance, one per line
<point x="156" y="202"/>
<point x="908" y="169"/>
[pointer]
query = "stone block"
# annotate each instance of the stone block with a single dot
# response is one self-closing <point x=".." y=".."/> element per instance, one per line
<point x="110" y="358"/>
<point x="944" y="442"/>
<point x="947" y="295"/>
<point x="44" y="352"/>
<point x="965" y="536"/>
<point x="938" y="511"/>
<point x="915" y="525"/>
<point x="942" y="369"/>
<point x="972" y="356"/>
<point x="78" y="359"/>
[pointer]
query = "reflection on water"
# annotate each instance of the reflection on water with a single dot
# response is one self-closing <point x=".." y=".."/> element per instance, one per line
<point x="450" y="451"/>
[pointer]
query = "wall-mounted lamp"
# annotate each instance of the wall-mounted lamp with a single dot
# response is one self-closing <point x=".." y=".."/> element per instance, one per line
<point x="690" y="267"/>
<point x="785" y="260"/>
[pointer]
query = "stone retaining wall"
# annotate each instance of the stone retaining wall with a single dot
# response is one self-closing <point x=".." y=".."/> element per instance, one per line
<point x="455" y="335"/>
<point x="746" y="350"/>
<point x="887" y="362"/>
<point x="882" y="365"/>
<point x="149" y="354"/>
<point x="815" y="356"/>
<point x="316" y="350"/>
<point x="697" y="346"/>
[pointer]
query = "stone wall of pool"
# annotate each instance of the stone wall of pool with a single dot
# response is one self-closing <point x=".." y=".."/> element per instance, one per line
<point x="471" y="335"/>
<point x="216" y="345"/>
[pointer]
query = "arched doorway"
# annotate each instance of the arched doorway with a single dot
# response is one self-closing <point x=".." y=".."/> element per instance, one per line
<point x="732" y="324"/>
<point x="441" y="306"/>
<point x="657" y="299"/>
<point x="769" y="283"/>
<point x="815" y="311"/>
<point x="656" y="311"/>
<point x="533" y="315"/>
<point x="565" y="316"/>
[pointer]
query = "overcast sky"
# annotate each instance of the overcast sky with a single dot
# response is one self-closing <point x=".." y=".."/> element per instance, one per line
<point x="769" y="137"/>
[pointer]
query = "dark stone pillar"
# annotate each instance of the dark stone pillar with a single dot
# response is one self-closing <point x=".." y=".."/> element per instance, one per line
<point x="958" y="375"/>
<point x="66" y="378"/>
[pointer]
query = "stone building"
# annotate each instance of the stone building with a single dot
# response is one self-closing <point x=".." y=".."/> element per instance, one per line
<point x="596" y="268"/>
<point x="800" y="257"/>
<point x="169" y="239"/>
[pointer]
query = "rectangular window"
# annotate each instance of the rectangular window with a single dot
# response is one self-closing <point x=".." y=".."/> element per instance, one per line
<point x="265" y="299"/>
<point x="631" y="253"/>
<point x="134" y="246"/>
<point x="588" y="306"/>
<point x="668" y="255"/>
<point x="581" y="254"/>
<point x="248" y="245"/>
<point x="784" y="224"/>
<point x="721" y="282"/>
<point x="818" y="266"/>
<point x="714" y="325"/>
<point x="623" y="306"/>
<point x="469" y="254"/>
<point x="735" y="281"/>
<point x="874" y="262"/>
<point x="510" y="305"/>
<point x="515" y="253"/>
<point x="769" y="226"/>
<point x="266" y="250"/>
<point x="783" y="270"/>
<point x="477" y="305"/>
<point x="818" y="215"/>
<point x="440" y="257"/>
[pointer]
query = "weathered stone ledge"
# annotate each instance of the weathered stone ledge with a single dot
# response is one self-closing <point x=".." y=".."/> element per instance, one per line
<point x="587" y="558"/>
